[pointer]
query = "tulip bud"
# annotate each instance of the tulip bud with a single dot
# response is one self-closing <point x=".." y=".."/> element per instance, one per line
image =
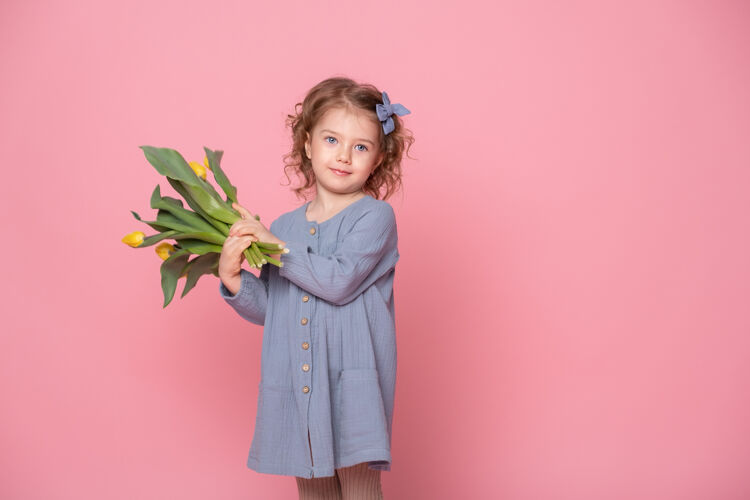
<point x="164" y="250"/>
<point x="134" y="239"/>
<point x="205" y="162"/>
<point x="199" y="169"/>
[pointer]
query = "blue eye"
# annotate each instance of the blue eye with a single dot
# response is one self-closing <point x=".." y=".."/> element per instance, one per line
<point x="331" y="137"/>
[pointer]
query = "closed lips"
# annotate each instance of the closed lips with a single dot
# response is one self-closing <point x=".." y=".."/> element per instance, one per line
<point x="340" y="172"/>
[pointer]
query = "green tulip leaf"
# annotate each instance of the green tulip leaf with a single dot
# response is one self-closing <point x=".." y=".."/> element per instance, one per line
<point x="174" y="206"/>
<point x="197" y="246"/>
<point x="170" y="163"/>
<point x="153" y="224"/>
<point x="167" y="219"/>
<point x="212" y="204"/>
<point x="203" y="264"/>
<point x="217" y="241"/>
<point x="214" y="160"/>
<point x="176" y="202"/>
<point x="182" y="190"/>
<point x="171" y="270"/>
<point x="156" y="238"/>
<point x="185" y="231"/>
<point x="201" y="231"/>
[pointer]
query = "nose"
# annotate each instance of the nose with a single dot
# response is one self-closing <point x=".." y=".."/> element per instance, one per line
<point x="344" y="155"/>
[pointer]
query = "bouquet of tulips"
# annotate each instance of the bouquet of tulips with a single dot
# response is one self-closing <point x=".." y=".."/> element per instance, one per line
<point x="200" y="231"/>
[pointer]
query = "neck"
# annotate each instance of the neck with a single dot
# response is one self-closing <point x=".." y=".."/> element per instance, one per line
<point x="328" y="202"/>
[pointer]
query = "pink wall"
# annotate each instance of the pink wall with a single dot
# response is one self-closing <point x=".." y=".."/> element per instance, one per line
<point x="573" y="287"/>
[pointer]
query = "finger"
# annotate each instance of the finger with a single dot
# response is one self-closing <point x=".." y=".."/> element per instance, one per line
<point x="245" y="241"/>
<point x="245" y="213"/>
<point x="238" y="244"/>
<point x="240" y="239"/>
<point x="242" y="230"/>
<point x="236" y="229"/>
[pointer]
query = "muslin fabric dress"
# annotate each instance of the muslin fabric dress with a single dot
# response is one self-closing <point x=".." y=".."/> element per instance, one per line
<point x="328" y="362"/>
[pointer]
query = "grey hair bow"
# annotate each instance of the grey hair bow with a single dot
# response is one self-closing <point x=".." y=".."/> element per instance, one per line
<point x="385" y="111"/>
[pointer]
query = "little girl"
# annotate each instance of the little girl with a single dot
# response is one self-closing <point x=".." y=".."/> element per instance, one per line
<point x="328" y="362"/>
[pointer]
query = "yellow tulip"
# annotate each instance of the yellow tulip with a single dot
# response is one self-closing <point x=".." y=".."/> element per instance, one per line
<point x="134" y="239"/>
<point x="199" y="169"/>
<point x="164" y="250"/>
<point x="205" y="162"/>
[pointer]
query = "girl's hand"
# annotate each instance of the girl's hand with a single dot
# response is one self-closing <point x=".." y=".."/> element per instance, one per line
<point x="231" y="258"/>
<point x="250" y="226"/>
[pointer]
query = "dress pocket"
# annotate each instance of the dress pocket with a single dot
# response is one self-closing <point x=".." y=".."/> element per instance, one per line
<point x="359" y="414"/>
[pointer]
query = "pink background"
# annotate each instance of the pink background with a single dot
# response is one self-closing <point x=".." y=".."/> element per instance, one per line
<point x="572" y="294"/>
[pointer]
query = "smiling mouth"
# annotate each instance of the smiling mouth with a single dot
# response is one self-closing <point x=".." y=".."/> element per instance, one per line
<point x="340" y="172"/>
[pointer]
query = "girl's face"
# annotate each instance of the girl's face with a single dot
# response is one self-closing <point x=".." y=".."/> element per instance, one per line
<point x="343" y="149"/>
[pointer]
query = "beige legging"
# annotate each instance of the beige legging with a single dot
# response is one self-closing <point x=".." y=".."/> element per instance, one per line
<point x="349" y="483"/>
<point x="357" y="482"/>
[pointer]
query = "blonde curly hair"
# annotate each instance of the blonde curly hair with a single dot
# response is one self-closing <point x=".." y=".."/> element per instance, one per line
<point x="344" y="92"/>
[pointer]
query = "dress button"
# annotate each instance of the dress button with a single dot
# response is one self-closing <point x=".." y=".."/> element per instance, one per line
<point x="305" y="345"/>
<point x="305" y="298"/>
<point x="305" y="389"/>
<point x="304" y="321"/>
<point x="312" y="230"/>
<point x="305" y="367"/>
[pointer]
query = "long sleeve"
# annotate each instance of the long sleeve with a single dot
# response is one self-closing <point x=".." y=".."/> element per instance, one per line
<point x="251" y="299"/>
<point x="363" y="255"/>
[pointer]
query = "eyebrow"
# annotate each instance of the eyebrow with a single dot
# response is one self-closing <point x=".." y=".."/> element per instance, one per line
<point x="336" y="133"/>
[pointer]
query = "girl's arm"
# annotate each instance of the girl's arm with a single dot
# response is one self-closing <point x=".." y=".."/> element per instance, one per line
<point x="251" y="299"/>
<point x="365" y="254"/>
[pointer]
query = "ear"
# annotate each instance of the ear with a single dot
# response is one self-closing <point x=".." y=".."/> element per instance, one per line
<point x="307" y="145"/>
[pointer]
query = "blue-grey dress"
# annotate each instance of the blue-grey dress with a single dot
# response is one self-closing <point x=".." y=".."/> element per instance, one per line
<point x="328" y="362"/>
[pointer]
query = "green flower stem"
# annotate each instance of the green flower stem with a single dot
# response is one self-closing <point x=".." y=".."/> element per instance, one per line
<point x="258" y="255"/>
<point x="265" y="251"/>
<point x="273" y="261"/>
<point x="251" y="258"/>
<point x="270" y="246"/>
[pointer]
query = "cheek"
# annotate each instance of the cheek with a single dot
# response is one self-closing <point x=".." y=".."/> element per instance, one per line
<point x="372" y="160"/>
